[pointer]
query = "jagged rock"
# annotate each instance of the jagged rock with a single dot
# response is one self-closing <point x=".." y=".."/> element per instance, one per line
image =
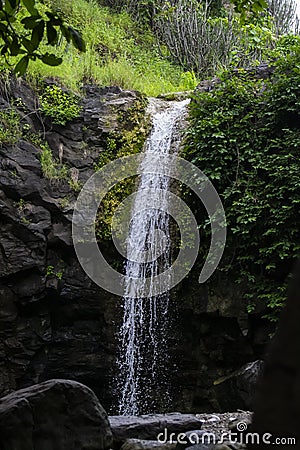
<point x="152" y="426"/>
<point x="208" y="85"/>
<point x="238" y="389"/>
<point x="57" y="414"/>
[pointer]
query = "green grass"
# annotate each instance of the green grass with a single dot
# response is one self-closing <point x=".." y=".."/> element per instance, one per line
<point x="118" y="53"/>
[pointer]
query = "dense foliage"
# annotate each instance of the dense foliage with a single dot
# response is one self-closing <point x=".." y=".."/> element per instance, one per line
<point x="22" y="29"/>
<point x="245" y="136"/>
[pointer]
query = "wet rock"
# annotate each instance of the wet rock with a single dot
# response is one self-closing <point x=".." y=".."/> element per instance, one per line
<point x="153" y="426"/>
<point x="232" y="422"/>
<point x="222" y="447"/>
<point x="57" y="414"/>
<point x="208" y="85"/>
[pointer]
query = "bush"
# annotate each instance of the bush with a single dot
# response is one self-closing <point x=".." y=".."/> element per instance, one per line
<point x="60" y="106"/>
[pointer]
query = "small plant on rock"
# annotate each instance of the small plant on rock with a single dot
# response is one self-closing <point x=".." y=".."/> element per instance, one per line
<point x="61" y="106"/>
<point x="51" y="167"/>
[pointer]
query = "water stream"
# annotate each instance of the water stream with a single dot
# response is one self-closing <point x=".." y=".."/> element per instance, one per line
<point x="143" y="360"/>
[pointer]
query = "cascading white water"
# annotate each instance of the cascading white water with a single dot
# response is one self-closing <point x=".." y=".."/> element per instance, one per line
<point x="143" y="354"/>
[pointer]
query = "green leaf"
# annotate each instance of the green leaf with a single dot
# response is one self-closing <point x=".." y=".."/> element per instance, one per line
<point x="30" y="6"/>
<point x="77" y="39"/>
<point x="51" y="59"/>
<point x="51" y="34"/>
<point x="28" y="45"/>
<point x="30" y="22"/>
<point x="10" y="5"/>
<point x="54" y="20"/>
<point x="4" y="49"/>
<point x="37" y="34"/>
<point x="14" y="47"/>
<point x="65" y="32"/>
<point x="22" y="65"/>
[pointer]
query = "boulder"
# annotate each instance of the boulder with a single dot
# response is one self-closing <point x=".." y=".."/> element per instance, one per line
<point x="56" y="414"/>
<point x="152" y="426"/>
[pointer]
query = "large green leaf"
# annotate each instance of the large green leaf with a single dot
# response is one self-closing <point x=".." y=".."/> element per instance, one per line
<point x="51" y="34"/>
<point x="30" y="6"/>
<point x="30" y="22"/>
<point x="37" y="34"/>
<point x="77" y="40"/>
<point x="22" y="65"/>
<point x="51" y="59"/>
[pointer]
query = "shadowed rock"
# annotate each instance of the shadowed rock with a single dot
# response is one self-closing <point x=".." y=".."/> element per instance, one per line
<point x="150" y="426"/>
<point x="55" y="415"/>
<point x="277" y="410"/>
<point x="238" y="389"/>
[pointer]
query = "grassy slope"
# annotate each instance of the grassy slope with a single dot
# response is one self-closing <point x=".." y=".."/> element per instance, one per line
<point x="118" y="53"/>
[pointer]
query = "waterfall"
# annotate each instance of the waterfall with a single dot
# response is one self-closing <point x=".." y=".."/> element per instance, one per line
<point x="143" y="361"/>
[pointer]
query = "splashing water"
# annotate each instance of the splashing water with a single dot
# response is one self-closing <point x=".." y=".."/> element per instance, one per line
<point x="142" y="382"/>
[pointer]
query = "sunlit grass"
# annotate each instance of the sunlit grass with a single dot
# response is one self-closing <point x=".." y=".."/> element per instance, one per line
<point x="118" y="53"/>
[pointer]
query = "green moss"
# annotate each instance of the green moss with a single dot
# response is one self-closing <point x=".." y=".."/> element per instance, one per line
<point x="136" y="126"/>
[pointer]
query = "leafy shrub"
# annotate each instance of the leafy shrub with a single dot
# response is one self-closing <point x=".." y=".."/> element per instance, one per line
<point x="245" y="135"/>
<point x="59" y="105"/>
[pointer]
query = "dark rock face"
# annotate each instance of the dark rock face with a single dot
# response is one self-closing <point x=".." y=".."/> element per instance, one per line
<point x="57" y="414"/>
<point x="216" y="338"/>
<point x="54" y="321"/>
<point x="277" y="408"/>
<point x="240" y="387"/>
